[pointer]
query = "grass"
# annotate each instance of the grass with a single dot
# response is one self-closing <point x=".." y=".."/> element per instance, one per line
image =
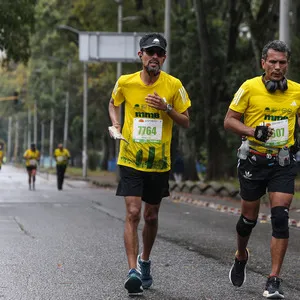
<point x="77" y="172"/>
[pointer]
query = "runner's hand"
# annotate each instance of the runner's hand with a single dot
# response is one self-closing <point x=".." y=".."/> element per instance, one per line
<point x="116" y="134"/>
<point x="155" y="101"/>
<point x="263" y="133"/>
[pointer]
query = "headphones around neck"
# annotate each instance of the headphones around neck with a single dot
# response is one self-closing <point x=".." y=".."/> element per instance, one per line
<point x="272" y="85"/>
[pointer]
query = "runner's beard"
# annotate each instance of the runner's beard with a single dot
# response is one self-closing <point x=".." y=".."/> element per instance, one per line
<point x="153" y="71"/>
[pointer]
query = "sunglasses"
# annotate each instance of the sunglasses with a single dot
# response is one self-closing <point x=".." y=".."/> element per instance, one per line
<point x="151" y="51"/>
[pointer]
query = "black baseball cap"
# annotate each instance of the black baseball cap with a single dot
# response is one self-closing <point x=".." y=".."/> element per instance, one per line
<point x="153" y="40"/>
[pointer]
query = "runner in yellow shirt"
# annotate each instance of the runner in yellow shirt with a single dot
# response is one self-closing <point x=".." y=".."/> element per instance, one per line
<point x="32" y="157"/>
<point x="265" y="109"/>
<point x="62" y="156"/>
<point x="154" y="100"/>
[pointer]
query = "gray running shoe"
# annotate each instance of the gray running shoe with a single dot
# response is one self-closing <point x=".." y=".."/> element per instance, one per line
<point x="133" y="283"/>
<point x="237" y="273"/>
<point x="273" y="289"/>
<point x="144" y="268"/>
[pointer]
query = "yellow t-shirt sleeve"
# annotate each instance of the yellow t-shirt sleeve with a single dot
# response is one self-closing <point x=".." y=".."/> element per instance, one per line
<point x="117" y="94"/>
<point x="240" y="100"/>
<point x="181" y="101"/>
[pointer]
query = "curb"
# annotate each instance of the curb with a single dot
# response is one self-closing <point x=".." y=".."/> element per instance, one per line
<point x="262" y="217"/>
<point x="179" y="197"/>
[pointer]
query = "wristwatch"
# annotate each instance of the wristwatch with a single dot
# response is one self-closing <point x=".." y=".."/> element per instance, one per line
<point x="168" y="108"/>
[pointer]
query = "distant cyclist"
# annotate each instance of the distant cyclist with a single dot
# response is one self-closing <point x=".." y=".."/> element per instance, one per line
<point x="62" y="156"/>
<point x="32" y="157"/>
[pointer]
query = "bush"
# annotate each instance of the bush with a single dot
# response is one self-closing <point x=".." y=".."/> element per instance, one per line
<point x="93" y="160"/>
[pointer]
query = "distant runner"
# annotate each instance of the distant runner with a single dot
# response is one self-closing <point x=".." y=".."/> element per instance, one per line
<point x="32" y="157"/>
<point x="62" y="156"/>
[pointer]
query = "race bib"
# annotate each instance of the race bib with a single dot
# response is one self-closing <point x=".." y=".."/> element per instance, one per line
<point x="147" y="130"/>
<point x="32" y="162"/>
<point x="281" y="133"/>
<point x="60" y="158"/>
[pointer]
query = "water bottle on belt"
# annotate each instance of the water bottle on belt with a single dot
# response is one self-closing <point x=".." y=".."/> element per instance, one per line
<point x="243" y="151"/>
<point x="284" y="156"/>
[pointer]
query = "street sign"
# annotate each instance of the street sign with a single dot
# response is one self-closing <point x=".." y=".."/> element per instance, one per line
<point x="109" y="46"/>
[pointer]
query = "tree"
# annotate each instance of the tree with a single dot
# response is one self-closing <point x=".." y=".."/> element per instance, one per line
<point x="16" y="25"/>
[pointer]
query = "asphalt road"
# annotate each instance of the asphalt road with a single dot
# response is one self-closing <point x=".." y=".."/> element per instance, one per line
<point x="68" y="245"/>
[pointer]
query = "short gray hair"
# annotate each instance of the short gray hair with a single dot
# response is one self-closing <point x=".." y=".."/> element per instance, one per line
<point x="276" y="45"/>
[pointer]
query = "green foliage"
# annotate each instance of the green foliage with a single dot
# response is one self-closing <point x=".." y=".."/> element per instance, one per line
<point x="211" y="60"/>
<point x="16" y="25"/>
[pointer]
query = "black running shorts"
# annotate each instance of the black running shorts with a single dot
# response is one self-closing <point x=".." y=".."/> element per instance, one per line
<point x="30" y="168"/>
<point x="258" y="175"/>
<point x="151" y="186"/>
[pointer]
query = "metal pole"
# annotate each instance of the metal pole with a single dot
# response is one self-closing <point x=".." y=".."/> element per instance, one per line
<point x="166" y="66"/>
<point x="67" y="108"/>
<point x="120" y="23"/>
<point x="84" y="134"/>
<point x="35" y="122"/>
<point x="85" y="99"/>
<point x="8" y="153"/>
<point x="119" y="73"/>
<point x="284" y="24"/>
<point x="25" y="138"/>
<point x="119" y="64"/>
<point x="51" y="137"/>
<point x="42" y="141"/>
<point x="52" y="123"/>
<point x="29" y="129"/>
<point x="16" y="150"/>
<point x="66" y="120"/>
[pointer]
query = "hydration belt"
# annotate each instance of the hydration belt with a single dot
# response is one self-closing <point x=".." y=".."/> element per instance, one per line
<point x="267" y="155"/>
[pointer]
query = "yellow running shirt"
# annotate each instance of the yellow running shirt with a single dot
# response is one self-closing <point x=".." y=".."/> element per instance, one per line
<point x="148" y="130"/>
<point x="261" y="107"/>
<point x="32" y="157"/>
<point x="61" y="156"/>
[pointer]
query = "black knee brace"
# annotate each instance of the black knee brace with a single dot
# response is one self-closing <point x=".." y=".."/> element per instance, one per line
<point x="244" y="226"/>
<point x="280" y="222"/>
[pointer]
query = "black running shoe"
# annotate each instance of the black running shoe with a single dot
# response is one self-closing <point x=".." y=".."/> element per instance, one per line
<point x="133" y="283"/>
<point x="273" y="289"/>
<point x="237" y="273"/>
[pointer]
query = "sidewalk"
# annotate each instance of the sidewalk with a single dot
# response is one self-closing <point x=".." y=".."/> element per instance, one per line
<point x="227" y="204"/>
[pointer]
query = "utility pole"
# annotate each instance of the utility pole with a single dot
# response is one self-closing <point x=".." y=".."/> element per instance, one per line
<point x="29" y="129"/>
<point x="284" y="24"/>
<point x="85" y="103"/>
<point x="119" y="73"/>
<point x="35" y="123"/>
<point x="52" y="123"/>
<point x="84" y="135"/>
<point x="42" y="141"/>
<point x="8" y="153"/>
<point x="120" y="23"/>
<point x="25" y="137"/>
<point x="67" y="108"/>
<point x="166" y="66"/>
<point x="16" y="150"/>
